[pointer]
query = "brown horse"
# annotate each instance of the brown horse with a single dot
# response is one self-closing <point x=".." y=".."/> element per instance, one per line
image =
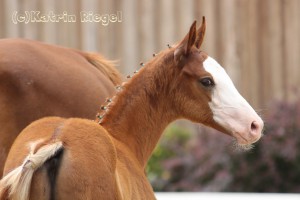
<point x="39" y="80"/>
<point x="56" y="158"/>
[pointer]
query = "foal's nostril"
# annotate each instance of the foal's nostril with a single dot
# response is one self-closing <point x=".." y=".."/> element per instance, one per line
<point x="254" y="126"/>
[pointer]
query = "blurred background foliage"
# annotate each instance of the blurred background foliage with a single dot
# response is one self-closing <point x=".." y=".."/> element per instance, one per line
<point x="205" y="160"/>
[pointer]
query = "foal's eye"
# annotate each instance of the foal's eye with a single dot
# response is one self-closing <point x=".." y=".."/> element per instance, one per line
<point x="207" y="82"/>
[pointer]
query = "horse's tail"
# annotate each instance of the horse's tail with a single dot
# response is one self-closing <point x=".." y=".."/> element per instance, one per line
<point x="16" y="184"/>
<point x="107" y="67"/>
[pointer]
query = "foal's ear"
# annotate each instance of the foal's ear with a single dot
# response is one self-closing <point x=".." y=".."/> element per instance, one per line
<point x="183" y="49"/>
<point x="201" y="33"/>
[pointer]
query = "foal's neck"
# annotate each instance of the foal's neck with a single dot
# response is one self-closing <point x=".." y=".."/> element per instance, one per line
<point x="140" y="113"/>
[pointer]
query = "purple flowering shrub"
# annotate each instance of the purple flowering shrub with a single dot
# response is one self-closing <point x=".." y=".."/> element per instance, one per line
<point x="274" y="163"/>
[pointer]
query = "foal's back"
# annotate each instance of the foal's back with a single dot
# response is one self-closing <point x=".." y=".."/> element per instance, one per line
<point x="38" y="80"/>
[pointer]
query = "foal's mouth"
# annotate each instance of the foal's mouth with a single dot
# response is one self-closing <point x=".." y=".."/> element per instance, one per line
<point x="242" y="143"/>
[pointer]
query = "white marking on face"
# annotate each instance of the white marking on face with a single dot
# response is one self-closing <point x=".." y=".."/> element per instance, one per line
<point x="229" y="108"/>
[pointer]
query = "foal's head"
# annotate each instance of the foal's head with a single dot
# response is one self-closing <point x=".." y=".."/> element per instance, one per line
<point x="204" y="92"/>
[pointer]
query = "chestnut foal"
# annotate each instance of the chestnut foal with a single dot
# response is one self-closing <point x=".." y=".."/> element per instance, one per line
<point x="56" y="158"/>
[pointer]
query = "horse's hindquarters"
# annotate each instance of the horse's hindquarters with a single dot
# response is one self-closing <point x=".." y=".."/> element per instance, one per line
<point x="70" y="159"/>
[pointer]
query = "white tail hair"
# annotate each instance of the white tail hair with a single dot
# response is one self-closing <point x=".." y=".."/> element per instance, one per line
<point x="16" y="184"/>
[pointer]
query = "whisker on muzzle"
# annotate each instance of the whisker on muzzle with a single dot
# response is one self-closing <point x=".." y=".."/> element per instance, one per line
<point x="241" y="147"/>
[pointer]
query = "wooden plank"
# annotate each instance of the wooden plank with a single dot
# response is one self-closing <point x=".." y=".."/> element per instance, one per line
<point x="291" y="46"/>
<point x="253" y="46"/>
<point x="112" y="30"/>
<point x="243" y="46"/>
<point x="130" y="44"/>
<point x="183" y="18"/>
<point x="72" y="31"/>
<point x="227" y="53"/>
<point x="275" y="55"/>
<point x="157" y="18"/>
<point x="3" y="20"/>
<point x="89" y="29"/>
<point x="49" y="30"/>
<point x="106" y="33"/>
<point x="31" y="29"/>
<point x="118" y="29"/>
<point x="11" y="6"/>
<point x="39" y="28"/>
<point x="146" y="29"/>
<point x="166" y="23"/>
<point x="63" y="31"/>
<point x="263" y="72"/>
<point x="208" y="9"/>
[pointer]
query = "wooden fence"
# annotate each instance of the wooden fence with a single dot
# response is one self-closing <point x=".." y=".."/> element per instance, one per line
<point x="257" y="41"/>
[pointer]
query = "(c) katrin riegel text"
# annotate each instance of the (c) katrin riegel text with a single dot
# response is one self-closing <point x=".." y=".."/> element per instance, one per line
<point x="84" y="17"/>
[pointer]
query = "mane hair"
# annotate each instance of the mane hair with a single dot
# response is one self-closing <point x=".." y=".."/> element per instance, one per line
<point x="107" y="67"/>
<point x="160" y="77"/>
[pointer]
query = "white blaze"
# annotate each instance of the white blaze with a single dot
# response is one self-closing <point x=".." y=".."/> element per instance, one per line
<point x="229" y="108"/>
